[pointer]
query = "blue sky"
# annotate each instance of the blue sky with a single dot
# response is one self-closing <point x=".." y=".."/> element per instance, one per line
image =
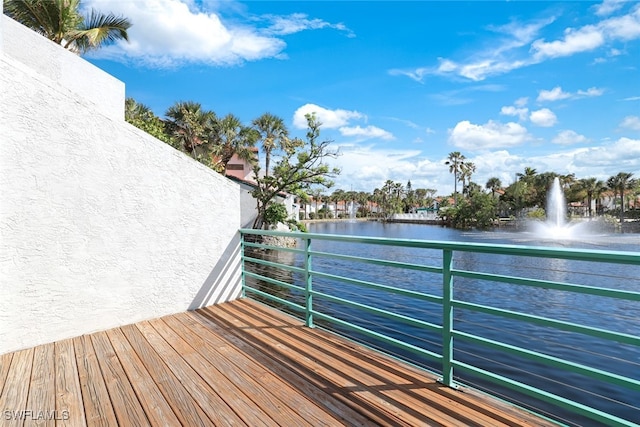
<point x="399" y="85"/>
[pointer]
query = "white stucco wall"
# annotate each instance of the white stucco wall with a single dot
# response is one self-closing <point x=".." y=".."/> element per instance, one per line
<point x="100" y="224"/>
<point x="66" y="70"/>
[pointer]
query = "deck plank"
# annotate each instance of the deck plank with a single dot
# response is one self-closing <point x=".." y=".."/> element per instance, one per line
<point x="5" y="364"/>
<point x="262" y="388"/>
<point x="237" y="363"/>
<point x="199" y="378"/>
<point x="68" y="394"/>
<point x="42" y="392"/>
<point x="97" y="404"/>
<point x="312" y="390"/>
<point x="125" y="403"/>
<point x="213" y="369"/>
<point x="183" y="405"/>
<point x="16" y="390"/>
<point x="147" y="390"/>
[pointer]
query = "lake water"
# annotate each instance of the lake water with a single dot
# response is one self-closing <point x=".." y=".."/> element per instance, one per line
<point x="606" y="313"/>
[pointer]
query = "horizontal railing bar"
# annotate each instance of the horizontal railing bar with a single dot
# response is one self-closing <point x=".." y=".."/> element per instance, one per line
<point x="365" y="331"/>
<point x="594" y="414"/>
<point x="552" y="361"/>
<point x="272" y="247"/>
<point x="593" y="255"/>
<point x="373" y="285"/>
<point x="376" y="261"/>
<point x="569" y="287"/>
<point x="273" y="264"/>
<point x="566" y="326"/>
<point x="388" y="314"/>
<point x="274" y="281"/>
<point x="274" y="298"/>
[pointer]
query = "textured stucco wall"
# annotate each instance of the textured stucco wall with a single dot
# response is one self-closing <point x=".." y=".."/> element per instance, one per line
<point x="68" y="71"/>
<point x="100" y="224"/>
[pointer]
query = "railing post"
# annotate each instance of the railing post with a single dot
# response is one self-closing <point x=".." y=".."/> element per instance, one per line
<point x="243" y="278"/>
<point x="447" y="318"/>
<point x="308" y="285"/>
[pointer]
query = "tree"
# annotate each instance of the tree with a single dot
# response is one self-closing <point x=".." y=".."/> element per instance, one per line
<point x="455" y="162"/>
<point x="493" y="184"/>
<point x="143" y="118"/>
<point x="191" y="126"/>
<point x="274" y="135"/>
<point x="61" y="22"/>
<point x="467" y="169"/>
<point x="409" y="199"/>
<point x="230" y="137"/>
<point x="300" y="168"/>
<point x="620" y="183"/>
<point x="592" y="188"/>
<point x="478" y="210"/>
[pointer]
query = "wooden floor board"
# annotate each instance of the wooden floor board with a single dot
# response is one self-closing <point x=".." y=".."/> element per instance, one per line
<point x="126" y="405"/>
<point x="316" y="394"/>
<point x="192" y="379"/>
<point x="97" y="404"/>
<point x="239" y="363"/>
<point x="42" y="392"/>
<point x="146" y="388"/>
<point x="232" y="391"/>
<point x="16" y="390"/>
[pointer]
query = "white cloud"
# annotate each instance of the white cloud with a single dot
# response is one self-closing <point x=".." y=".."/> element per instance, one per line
<point x="366" y="167"/>
<point x="168" y="33"/>
<point x="492" y="135"/>
<point x="607" y="7"/>
<point x="631" y="122"/>
<point x="568" y="137"/>
<point x="331" y="119"/>
<point x="554" y="94"/>
<point x="557" y="94"/>
<point x="521" y="102"/>
<point x="341" y="120"/>
<point x="367" y="132"/>
<point x="591" y="92"/>
<point x="514" y="111"/>
<point x="517" y="46"/>
<point x="623" y="154"/>
<point x="296" y="22"/>
<point x="172" y="33"/>
<point x="543" y="118"/>
<point x="583" y="39"/>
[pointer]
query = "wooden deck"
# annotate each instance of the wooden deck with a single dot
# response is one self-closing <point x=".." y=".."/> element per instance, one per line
<point x="237" y="363"/>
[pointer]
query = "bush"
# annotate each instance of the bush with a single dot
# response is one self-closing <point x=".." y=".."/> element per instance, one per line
<point x="275" y="213"/>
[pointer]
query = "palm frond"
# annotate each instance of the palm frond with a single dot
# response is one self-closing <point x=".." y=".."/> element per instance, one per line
<point x="99" y="30"/>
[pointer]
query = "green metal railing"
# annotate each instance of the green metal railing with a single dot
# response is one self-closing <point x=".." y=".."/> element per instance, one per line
<point x="296" y="289"/>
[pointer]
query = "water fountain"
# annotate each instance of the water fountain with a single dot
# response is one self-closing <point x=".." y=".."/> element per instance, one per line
<point x="555" y="227"/>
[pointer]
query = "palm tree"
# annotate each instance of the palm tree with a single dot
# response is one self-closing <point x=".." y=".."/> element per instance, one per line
<point x="493" y="184"/>
<point x="620" y="183"/>
<point x="528" y="174"/>
<point x="467" y="169"/>
<point x="592" y="188"/>
<point x="274" y="136"/>
<point x="455" y="162"/>
<point x="190" y="125"/>
<point x="231" y="137"/>
<point x="61" y="22"/>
